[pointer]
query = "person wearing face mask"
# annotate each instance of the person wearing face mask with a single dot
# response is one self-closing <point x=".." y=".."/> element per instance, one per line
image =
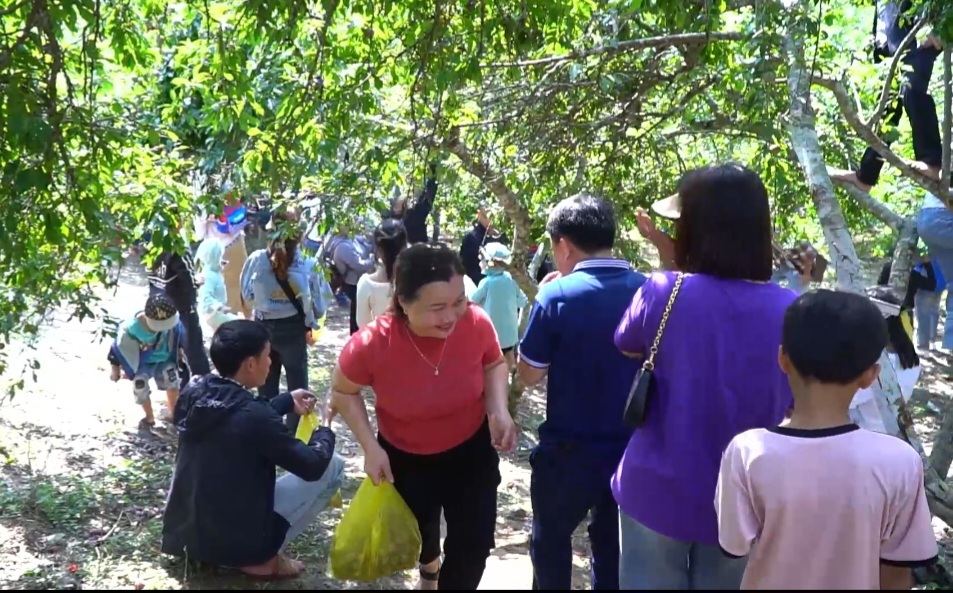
<point x="439" y="447"/>
<point x="173" y="274"/>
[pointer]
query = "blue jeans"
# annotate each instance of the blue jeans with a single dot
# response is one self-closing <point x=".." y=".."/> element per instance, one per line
<point x="926" y="304"/>
<point x="652" y="562"/>
<point x="935" y="227"/>
<point x="289" y="350"/>
<point x="568" y="483"/>
<point x="299" y="502"/>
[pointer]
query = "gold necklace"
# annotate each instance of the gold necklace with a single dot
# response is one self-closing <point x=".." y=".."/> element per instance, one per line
<point x="436" y="368"/>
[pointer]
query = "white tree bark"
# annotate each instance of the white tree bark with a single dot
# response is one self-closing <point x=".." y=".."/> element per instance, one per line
<point x="802" y="127"/>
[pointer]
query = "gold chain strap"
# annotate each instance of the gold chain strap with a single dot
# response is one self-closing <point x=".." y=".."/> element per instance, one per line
<point x="650" y="361"/>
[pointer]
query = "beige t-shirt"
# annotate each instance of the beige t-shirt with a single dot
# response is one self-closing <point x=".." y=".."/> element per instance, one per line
<point x="822" y="509"/>
<point x="373" y="299"/>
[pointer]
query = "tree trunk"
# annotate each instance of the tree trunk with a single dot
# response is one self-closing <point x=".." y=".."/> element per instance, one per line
<point x="435" y="215"/>
<point x="904" y="257"/>
<point x="516" y="386"/>
<point x="494" y="181"/>
<point x="941" y="456"/>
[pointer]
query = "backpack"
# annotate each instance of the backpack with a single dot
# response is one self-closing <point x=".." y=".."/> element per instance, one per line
<point x="335" y="277"/>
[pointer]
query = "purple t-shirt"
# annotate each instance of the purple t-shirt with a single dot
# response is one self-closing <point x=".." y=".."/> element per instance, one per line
<point x="717" y="375"/>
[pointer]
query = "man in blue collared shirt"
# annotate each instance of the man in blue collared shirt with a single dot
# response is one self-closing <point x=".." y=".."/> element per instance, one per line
<point x="570" y="337"/>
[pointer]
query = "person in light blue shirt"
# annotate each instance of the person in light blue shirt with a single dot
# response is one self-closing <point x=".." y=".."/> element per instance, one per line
<point x="213" y="295"/>
<point x="289" y="295"/>
<point x="500" y="296"/>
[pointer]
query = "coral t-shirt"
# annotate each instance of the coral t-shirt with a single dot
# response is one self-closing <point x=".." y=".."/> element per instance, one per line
<point x="822" y="509"/>
<point x="418" y="409"/>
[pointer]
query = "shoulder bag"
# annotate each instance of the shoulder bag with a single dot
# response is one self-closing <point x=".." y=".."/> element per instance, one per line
<point x="643" y="388"/>
<point x="297" y="304"/>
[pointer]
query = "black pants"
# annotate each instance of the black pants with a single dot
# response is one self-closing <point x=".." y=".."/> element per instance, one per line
<point x="462" y="482"/>
<point x="351" y="291"/>
<point x="570" y="482"/>
<point x="194" y="347"/>
<point x="289" y="350"/>
<point x="916" y="100"/>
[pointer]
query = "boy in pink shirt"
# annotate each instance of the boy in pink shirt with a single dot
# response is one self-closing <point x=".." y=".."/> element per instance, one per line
<point x="820" y="503"/>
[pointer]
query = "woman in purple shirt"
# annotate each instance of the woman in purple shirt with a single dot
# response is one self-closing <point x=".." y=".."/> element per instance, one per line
<point x="716" y="375"/>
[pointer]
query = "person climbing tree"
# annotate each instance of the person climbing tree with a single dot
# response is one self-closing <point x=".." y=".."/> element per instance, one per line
<point x="892" y="24"/>
<point x="415" y="216"/>
<point x="482" y="232"/>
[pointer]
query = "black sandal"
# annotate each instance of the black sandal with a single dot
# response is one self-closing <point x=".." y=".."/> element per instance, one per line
<point x="430" y="577"/>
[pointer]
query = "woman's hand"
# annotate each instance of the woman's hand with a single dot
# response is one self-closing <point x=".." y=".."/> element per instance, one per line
<point x="645" y="224"/>
<point x="550" y="277"/>
<point x="304" y="401"/>
<point x="502" y="431"/>
<point x="309" y="337"/>
<point x="377" y="465"/>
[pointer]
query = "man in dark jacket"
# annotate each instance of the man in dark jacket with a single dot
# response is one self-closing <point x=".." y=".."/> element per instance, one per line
<point x="225" y="506"/>
<point x="481" y="233"/>
<point x="415" y="216"/>
<point x="174" y="275"/>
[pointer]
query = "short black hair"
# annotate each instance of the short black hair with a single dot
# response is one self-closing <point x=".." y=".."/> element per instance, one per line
<point x="724" y="229"/>
<point x="418" y="266"/>
<point x="235" y="342"/>
<point x="833" y="336"/>
<point x="585" y="220"/>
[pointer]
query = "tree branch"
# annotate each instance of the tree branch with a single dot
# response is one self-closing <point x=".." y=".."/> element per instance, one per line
<point x="839" y="89"/>
<point x="883" y="213"/>
<point x="625" y="46"/>
<point x="510" y="202"/>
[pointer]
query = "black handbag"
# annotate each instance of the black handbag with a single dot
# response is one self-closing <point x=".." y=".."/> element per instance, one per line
<point x="643" y="388"/>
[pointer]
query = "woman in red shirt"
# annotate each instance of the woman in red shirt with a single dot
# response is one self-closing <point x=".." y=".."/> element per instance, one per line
<point x="437" y="371"/>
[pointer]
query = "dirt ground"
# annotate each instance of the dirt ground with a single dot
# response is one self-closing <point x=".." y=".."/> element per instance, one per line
<point x="82" y="490"/>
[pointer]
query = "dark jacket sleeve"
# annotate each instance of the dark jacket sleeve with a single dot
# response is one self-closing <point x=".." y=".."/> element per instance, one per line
<point x="469" y="253"/>
<point x="308" y="462"/>
<point x="415" y="218"/>
<point x="424" y="203"/>
<point x="283" y="404"/>
<point x="181" y="281"/>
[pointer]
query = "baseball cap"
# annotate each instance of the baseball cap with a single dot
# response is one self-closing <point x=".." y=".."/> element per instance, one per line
<point x="160" y="313"/>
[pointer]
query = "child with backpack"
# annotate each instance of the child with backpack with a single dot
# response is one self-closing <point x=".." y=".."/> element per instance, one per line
<point x="820" y="503"/>
<point x="148" y="346"/>
<point x="501" y="297"/>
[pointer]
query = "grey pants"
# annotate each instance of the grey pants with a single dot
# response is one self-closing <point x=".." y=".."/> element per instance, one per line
<point x="299" y="502"/>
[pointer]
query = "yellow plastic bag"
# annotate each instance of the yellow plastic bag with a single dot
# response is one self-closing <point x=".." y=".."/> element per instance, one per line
<point x="377" y="536"/>
<point x="307" y="424"/>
